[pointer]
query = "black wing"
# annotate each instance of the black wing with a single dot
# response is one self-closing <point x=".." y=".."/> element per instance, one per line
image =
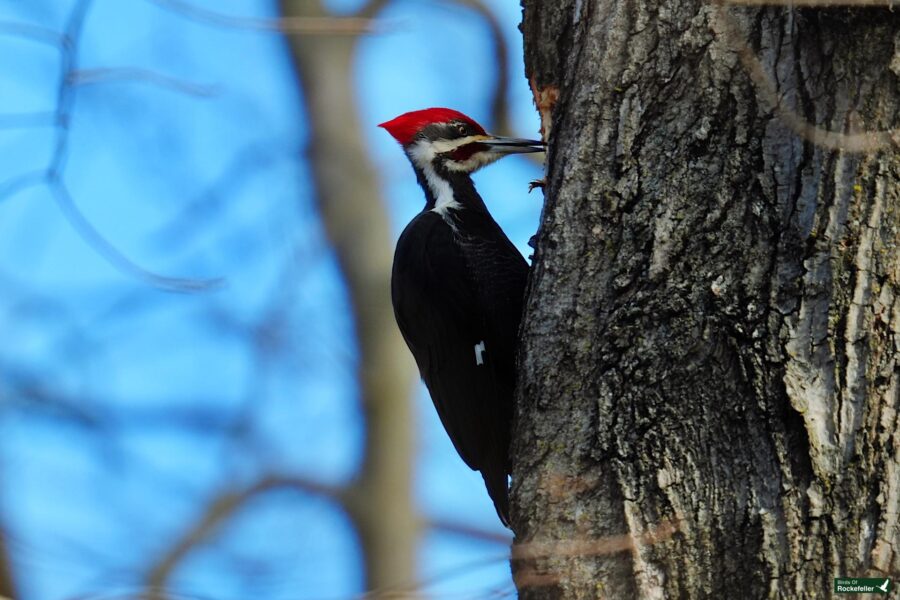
<point x="458" y="301"/>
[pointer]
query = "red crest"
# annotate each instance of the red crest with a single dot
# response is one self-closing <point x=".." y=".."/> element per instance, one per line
<point x="405" y="127"/>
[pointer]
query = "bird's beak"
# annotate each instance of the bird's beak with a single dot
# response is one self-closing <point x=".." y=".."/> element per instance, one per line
<point x="505" y="145"/>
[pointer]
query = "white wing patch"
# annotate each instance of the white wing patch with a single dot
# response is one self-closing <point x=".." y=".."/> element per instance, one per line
<point x="479" y="353"/>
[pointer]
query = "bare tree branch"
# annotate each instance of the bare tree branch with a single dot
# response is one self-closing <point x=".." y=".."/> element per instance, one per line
<point x="320" y="25"/>
<point x="865" y="142"/>
<point x="589" y="547"/>
<point x="20" y="183"/>
<point x="469" y="531"/>
<point x="347" y="195"/>
<point x="220" y="510"/>
<point x="107" y="250"/>
<point x="528" y="551"/>
<point x="413" y="588"/>
<point x="33" y="32"/>
<point x="250" y="161"/>
<point x="500" y="121"/>
<point x="93" y="76"/>
<point x="378" y="501"/>
<point x="70" y="77"/>
<point x="371" y="9"/>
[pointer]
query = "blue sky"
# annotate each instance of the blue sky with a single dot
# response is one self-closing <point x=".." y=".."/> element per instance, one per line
<point x="119" y="399"/>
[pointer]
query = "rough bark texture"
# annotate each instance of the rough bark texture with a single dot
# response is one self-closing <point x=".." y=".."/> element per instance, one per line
<point x="712" y="334"/>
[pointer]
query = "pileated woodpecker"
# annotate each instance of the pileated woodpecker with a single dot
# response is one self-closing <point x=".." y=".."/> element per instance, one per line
<point x="458" y="285"/>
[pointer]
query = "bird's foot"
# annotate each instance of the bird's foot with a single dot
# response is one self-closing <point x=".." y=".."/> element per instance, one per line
<point x="537" y="183"/>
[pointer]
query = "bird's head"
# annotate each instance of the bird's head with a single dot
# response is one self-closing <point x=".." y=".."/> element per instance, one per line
<point x="443" y="139"/>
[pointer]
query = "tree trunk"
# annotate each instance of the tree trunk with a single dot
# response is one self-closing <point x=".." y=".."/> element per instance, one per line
<point x="380" y="501"/>
<point x="709" y="377"/>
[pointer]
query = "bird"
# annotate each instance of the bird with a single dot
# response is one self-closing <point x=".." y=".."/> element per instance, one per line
<point x="458" y="288"/>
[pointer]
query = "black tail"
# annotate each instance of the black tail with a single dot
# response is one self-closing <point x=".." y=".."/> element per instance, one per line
<point x="497" y="485"/>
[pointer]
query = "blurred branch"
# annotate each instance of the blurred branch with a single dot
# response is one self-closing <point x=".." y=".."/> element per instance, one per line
<point x="29" y="392"/>
<point x="19" y="183"/>
<point x="94" y="76"/>
<point x="107" y="250"/>
<point x="318" y="25"/>
<point x="218" y="511"/>
<point x="371" y="9"/>
<point x="469" y="531"/>
<point x="592" y="546"/>
<point x="25" y="389"/>
<point x="500" y="122"/>
<point x="767" y="88"/>
<point x="53" y="175"/>
<point x="414" y="588"/>
<point x="533" y="576"/>
<point x="250" y="161"/>
<point x="379" y="500"/>
<point x="33" y="32"/>
<point x="347" y="192"/>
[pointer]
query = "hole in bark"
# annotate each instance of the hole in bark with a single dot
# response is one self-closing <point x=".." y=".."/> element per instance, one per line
<point x="798" y="447"/>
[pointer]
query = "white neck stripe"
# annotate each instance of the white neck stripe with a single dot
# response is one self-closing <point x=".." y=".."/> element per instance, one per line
<point x="443" y="193"/>
<point x="422" y="155"/>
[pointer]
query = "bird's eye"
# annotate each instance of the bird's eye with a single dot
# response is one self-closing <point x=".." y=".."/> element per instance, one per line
<point x="461" y="128"/>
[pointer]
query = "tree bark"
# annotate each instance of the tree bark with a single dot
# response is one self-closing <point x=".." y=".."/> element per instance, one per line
<point x="709" y="356"/>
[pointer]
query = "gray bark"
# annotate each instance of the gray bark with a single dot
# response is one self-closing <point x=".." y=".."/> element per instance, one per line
<point x="709" y="363"/>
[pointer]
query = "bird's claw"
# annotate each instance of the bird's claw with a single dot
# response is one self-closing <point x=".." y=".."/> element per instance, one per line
<point x="537" y="183"/>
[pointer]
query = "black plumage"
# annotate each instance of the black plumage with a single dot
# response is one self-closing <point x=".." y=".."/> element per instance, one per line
<point x="458" y="287"/>
<point x="456" y="292"/>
